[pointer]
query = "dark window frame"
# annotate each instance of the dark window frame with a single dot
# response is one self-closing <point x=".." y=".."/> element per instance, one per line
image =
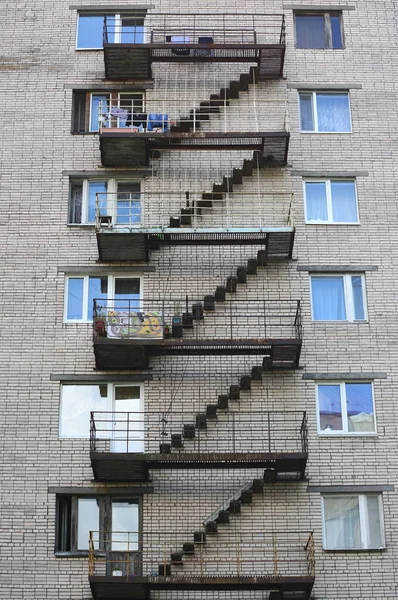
<point x="328" y="35"/>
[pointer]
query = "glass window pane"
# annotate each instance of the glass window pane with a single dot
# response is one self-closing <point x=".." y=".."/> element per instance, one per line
<point x="342" y="522"/>
<point x="77" y="401"/>
<point x="310" y="31"/>
<point x="76" y="198"/>
<point x="87" y="520"/>
<point x="360" y="411"/>
<point x="94" y="188"/>
<point x="74" y="309"/>
<point x="132" y="31"/>
<point x="329" y="406"/>
<point x="374" y="525"/>
<point x="99" y="111"/>
<point x="333" y="112"/>
<point x="328" y="299"/>
<point x="127" y="294"/>
<point x="315" y="198"/>
<point x="124" y="526"/>
<point x="344" y="205"/>
<point x="97" y="290"/>
<point x="90" y="31"/>
<point x="337" y="40"/>
<point x="306" y="115"/>
<point x="357" y="292"/>
<point x="128" y="204"/>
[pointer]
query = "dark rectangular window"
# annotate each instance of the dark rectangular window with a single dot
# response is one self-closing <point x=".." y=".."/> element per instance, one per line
<point x="319" y="30"/>
<point x="79" y="111"/>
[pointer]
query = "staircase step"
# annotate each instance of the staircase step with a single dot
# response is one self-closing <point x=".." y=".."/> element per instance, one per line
<point x="225" y="94"/>
<point x="176" y="558"/>
<point x="199" y="537"/>
<point x="185" y="125"/>
<point x="204" y="203"/>
<point x="175" y="129"/>
<point x="241" y="274"/>
<point x="244" y="81"/>
<point x="176" y="440"/>
<point x="231" y="285"/>
<point x="211" y="527"/>
<point x="197" y="311"/>
<point x="209" y="303"/>
<point x="234" y="392"/>
<point x="258" y="159"/>
<point x="215" y="100"/>
<point x="211" y="411"/>
<point x="164" y="570"/>
<point x="201" y="421"/>
<point x="209" y="107"/>
<point x="254" y="73"/>
<point x="164" y="448"/>
<point x="186" y="217"/>
<point x="175" y="222"/>
<point x="235" y="507"/>
<point x="187" y="320"/>
<point x="270" y="475"/>
<point x="246" y="497"/>
<point x="201" y="114"/>
<point x="267" y="363"/>
<point x="257" y="373"/>
<point x="247" y="167"/>
<point x="234" y="89"/>
<point x="222" y="402"/>
<point x="258" y="486"/>
<point x="237" y="176"/>
<point x="251" y="268"/>
<point x="262" y="258"/>
<point x="212" y="196"/>
<point x="188" y="548"/>
<point x="227" y="185"/>
<point x="189" y="432"/>
<point x="220" y="292"/>
<point x="223" y="516"/>
<point x="245" y="383"/>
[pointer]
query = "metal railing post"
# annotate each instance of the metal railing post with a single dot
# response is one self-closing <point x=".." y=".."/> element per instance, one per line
<point x="269" y="431"/>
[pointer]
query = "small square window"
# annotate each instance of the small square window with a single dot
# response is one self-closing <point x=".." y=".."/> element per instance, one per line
<point x="345" y="407"/>
<point x="325" y="112"/>
<point x="319" y="30"/>
<point x="352" y="522"/>
<point x="330" y="201"/>
<point x="338" y="298"/>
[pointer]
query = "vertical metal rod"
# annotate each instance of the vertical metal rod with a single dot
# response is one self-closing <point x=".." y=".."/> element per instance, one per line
<point x="269" y="431"/>
<point x="233" y="432"/>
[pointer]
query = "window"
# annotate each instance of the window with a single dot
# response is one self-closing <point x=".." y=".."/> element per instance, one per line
<point x="319" y="30"/>
<point x="345" y="407"/>
<point x="325" y="112"/>
<point x="78" y="401"/>
<point x="120" y="200"/>
<point x="352" y="522"/>
<point x="111" y="521"/>
<point x="81" y="291"/>
<point x="117" y="28"/>
<point x="338" y="297"/>
<point x="90" y="110"/>
<point x="330" y="201"/>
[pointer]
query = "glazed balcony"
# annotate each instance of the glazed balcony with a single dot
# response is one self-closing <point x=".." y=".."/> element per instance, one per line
<point x="126" y="334"/>
<point x="128" y="138"/>
<point x="133" y="565"/>
<point x="125" y="445"/>
<point x="131" y="47"/>
<point x="127" y="227"/>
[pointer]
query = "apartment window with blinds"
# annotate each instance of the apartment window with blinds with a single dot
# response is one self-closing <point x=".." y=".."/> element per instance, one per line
<point x="323" y="30"/>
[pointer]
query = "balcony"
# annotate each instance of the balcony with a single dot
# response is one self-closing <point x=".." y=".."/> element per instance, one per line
<point x="126" y="334"/>
<point x="125" y="445"/>
<point x="132" y="565"/>
<point x="128" y="138"/>
<point x="127" y="229"/>
<point x="194" y="38"/>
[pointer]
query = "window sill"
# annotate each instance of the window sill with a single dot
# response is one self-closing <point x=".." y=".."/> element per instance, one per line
<point x="354" y="550"/>
<point x="89" y="49"/>
<point x="362" y="434"/>
<point x="77" y="554"/>
<point x="84" y="225"/>
<point x="331" y="223"/>
<point x="364" y="322"/>
<point x="326" y="132"/>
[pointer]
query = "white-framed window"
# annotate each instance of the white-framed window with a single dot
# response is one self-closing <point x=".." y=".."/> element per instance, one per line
<point x="319" y="30"/>
<point x="352" y="522"/>
<point x="120" y="199"/>
<point x="338" y="297"/>
<point x="330" y="201"/>
<point x="116" y="292"/>
<point x="345" y="407"/>
<point x="325" y="112"/>
<point x="119" y="28"/>
<point x="119" y="110"/>
<point x="106" y="400"/>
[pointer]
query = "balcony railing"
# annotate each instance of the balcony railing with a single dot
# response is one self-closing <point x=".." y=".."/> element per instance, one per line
<point x="256" y="559"/>
<point x="230" y="432"/>
<point x="163" y="319"/>
<point x="242" y="212"/>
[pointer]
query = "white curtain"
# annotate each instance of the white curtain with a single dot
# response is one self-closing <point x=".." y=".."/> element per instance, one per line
<point x="328" y="299"/>
<point x="315" y="196"/>
<point x="344" y="204"/>
<point x="342" y="522"/>
<point x="333" y="112"/>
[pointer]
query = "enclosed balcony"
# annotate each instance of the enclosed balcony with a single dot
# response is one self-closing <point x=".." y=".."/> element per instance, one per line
<point x="125" y="445"/>
<point x="133" y="44"/>
<point x="127" y="334"/>
<point x="128" y="228"/>
<point x="135" y="565"/>
<point x="127" y="138"/>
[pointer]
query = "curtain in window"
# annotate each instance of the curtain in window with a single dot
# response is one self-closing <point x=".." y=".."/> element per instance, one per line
<point x="342" y="522"/>
<point x="75" y="214"/>
<point x="315" y="196"/>
<point x="328" y="299"/>
<point x="375" y="538"/>
<point x="344" y="204"/>
<point x="310" y="31"/>
<point x="333" y="112"/>
<point x="306" y="112"/>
